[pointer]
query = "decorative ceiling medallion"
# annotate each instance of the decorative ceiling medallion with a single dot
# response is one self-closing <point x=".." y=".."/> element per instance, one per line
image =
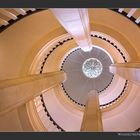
<point x="92" y="68"/>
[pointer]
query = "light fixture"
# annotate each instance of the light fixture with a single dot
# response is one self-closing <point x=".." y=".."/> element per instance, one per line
<point x="92" y="68"/>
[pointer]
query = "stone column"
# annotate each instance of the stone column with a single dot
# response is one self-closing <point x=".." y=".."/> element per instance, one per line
<point x="92" y="121"/>
<point x="129" y="71"/>
<point x="76" y="23"/>
<point x="18" y="91"/>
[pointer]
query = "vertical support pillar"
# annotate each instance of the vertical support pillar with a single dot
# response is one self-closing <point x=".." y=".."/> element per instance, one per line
<point x="18" y="91"/>
<point x="129" y="71"/>
<point x="76" y="22"/>
<point x="92" y="120"/>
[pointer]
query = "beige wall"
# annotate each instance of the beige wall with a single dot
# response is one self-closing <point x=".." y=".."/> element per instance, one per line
<point x="10" y="122"/>
<point x="20" y="43"/>
<point x="117" y="26"/>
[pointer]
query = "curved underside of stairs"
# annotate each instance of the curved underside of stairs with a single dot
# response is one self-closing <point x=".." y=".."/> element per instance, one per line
<point x="44" y="46"/>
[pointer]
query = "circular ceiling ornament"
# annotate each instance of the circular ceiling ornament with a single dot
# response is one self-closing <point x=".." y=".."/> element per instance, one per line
<point x="92" y="68"/>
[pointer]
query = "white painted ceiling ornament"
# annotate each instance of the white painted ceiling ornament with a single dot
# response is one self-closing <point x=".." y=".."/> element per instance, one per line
<point x="92" y="68"/>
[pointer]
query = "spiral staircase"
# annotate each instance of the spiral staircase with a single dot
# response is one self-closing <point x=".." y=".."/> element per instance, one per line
<point x="34" y="42"/>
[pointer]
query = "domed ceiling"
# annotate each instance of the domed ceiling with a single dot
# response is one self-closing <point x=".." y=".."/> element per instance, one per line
<point x="86" y="71"/>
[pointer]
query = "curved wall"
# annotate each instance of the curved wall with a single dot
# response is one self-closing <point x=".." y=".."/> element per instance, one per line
<point x="21" y="42"/>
